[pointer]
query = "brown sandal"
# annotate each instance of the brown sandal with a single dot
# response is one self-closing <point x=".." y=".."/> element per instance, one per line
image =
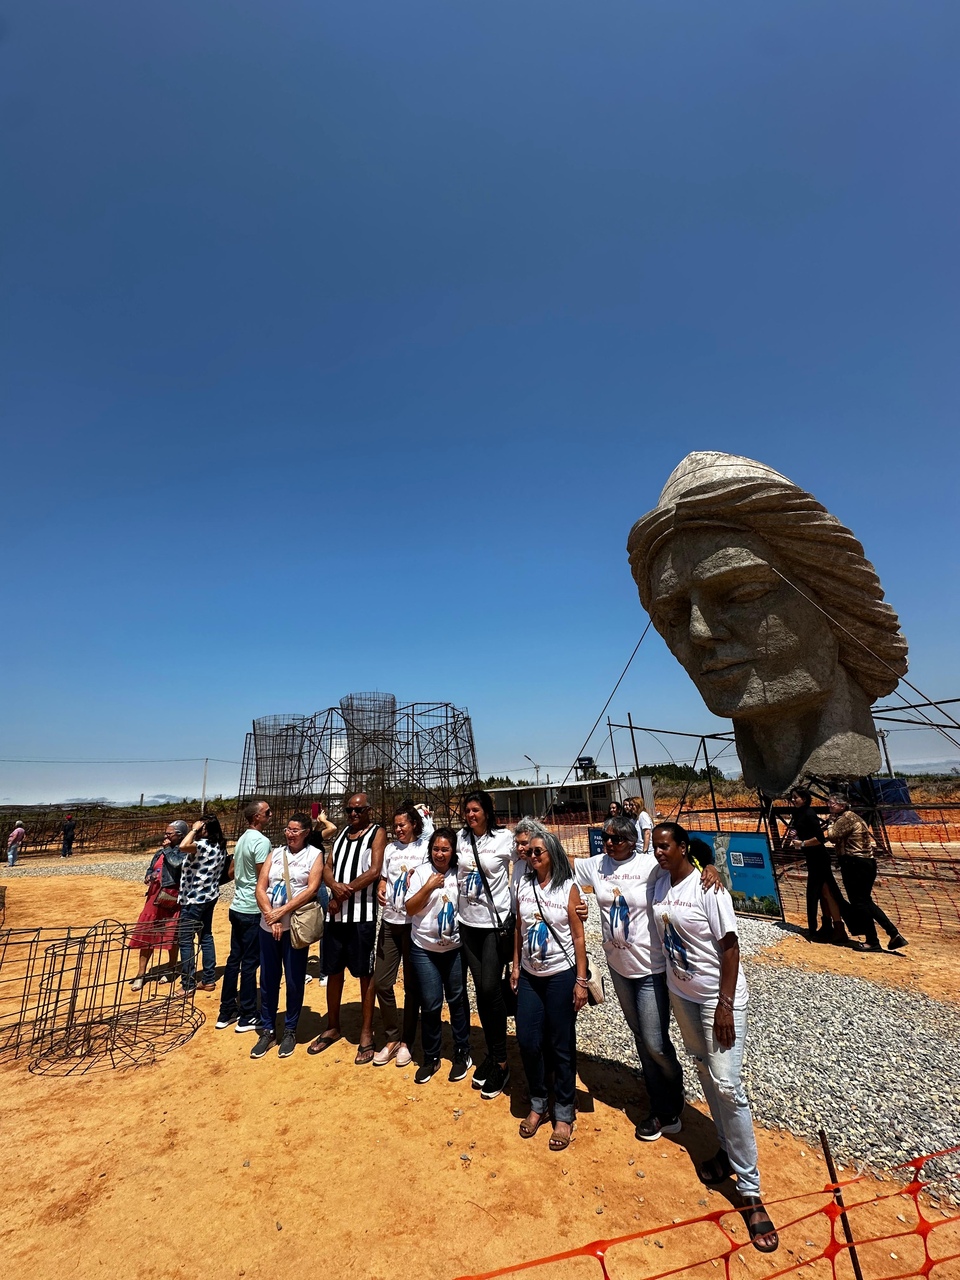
<point x="527" y="1130"/>
<point x="558" y="1143"/>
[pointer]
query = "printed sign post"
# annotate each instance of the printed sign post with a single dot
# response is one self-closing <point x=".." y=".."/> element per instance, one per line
<point x="743" y="861"/>
<point x="596" y="840"/>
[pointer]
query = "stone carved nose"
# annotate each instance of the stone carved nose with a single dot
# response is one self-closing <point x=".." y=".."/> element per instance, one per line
<point x="704" y="626"/>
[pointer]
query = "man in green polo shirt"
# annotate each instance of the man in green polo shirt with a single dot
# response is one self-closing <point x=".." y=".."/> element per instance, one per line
<point x="248" y="856"/>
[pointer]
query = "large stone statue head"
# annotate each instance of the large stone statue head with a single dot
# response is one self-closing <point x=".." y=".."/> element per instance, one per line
<point x="779" y="619"/>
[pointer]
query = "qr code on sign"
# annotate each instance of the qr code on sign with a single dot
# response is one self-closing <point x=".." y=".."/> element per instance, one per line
<point x="736" y="859"/>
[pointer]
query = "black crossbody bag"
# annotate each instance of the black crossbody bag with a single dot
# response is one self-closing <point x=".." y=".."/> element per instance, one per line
<point x="506" y="926"/>
<point x="594" y="987"/>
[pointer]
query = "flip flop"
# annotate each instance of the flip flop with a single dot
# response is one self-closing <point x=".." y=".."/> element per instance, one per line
<point x="528" y="1130"/>
<point x="560" y="1144"/>
<point x="323" y="1043"/>
<point x="365" y="1054"/>
<point x="761" y="1226"/>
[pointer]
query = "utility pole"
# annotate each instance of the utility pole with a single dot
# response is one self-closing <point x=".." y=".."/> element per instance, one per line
<point x="882" y="735"/>
<point x="203" y="794"/>
<point x="536" y="767"/>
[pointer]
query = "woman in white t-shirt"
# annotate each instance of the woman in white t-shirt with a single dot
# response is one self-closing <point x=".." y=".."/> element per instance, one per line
<point x="698" y="933"/>
<point x="436" y="954"/>
<point x="622" y="879"/>
<point x="289" y="877"/>
<point x="406" y="852"/>
<point x="484" y="857"/>
<point x="549" y="975"/>
<point x="523" y="833"/>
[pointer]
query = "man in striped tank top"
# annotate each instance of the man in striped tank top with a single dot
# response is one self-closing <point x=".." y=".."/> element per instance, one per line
<point x="351" y="873"/>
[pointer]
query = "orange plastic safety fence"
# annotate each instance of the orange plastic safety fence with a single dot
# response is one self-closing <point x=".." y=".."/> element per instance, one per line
<point x="875" y="1252"/>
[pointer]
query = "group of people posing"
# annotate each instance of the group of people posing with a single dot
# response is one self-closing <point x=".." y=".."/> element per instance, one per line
<point x="505" y="908"/>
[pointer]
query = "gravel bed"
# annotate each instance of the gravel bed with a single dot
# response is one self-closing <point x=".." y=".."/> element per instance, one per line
<point x="113" y="870"/>
<point x="877" y="1068"/>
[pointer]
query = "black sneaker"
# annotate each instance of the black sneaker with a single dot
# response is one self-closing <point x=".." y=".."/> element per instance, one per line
<point x="287" y="1044"/>
<point x="896" y="942"/>
<point x="226" y="1020"/>
<point x="649" y="1130"/>
<point x="497" y="1080"/>
<point x="248" y="1024"/>
<point x="426" y="1073"/>
<point x="462" y="1062"/>
<point x="263" y="1045"/>
<point x="481" y="1073"/>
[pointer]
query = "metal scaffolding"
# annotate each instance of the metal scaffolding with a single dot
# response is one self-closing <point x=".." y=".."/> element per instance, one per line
<point x="421" y="750"/>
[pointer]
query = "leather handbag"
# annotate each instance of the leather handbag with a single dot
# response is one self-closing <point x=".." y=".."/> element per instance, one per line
<point x="306" y="923"/>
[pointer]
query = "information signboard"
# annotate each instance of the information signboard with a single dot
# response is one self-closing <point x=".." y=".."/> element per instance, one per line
<point x="743" y="860"/>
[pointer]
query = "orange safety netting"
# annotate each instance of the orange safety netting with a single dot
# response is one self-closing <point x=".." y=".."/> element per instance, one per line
<point x="888" y="1245"/>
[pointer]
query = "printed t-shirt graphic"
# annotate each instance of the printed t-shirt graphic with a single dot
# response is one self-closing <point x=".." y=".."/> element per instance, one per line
<point x="436" y="927"/>
<point x="399" y="862"/>
<point x="542" y="954"/>
<point x="299" y="865"/>
<point x="691" y="923"/>
<point x="623" y="890"/>
<point x="494" y="850"/>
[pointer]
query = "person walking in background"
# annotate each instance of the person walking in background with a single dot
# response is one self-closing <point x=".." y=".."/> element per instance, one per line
<point x="549" y="975"/>
<point x="289" y="878"/>
<point x="156" y="927"/>
<point x="351" y="872"/>
<point x="205" y="854"/>
<point x="15" y="843"/>
<point x="67" y="831"/>
<point x="484" y="852"/>
<point x="405" y="853"/>
<point x="238" y="991"/>
<point x="437" y="955"/>
<point x="822" y="888"/>
<point x="851" y="837"/>
<point x="698" y="933"/>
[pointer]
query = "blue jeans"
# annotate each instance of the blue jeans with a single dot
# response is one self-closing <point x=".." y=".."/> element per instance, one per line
<point x="12" y="851"/>
<point x="242" y="964"/>
<point x="546" y="1019"/>
<point x="440" y="973"/>
<point x="646" y="1006"/>
<point x="193" y="921"/>
<point x="276" y="957"/>
<point x="719" y="1071"/>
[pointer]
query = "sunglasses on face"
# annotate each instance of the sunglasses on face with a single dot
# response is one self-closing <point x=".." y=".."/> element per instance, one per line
<point x="609" y="838"/>
<point x="356" y="808"/>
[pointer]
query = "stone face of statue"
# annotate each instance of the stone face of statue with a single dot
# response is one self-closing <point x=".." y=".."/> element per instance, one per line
<point x="747" y="639"/>
<point x="775" y="613"/>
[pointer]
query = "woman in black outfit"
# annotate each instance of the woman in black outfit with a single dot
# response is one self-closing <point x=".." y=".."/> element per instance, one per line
<point x="821" y="885"/>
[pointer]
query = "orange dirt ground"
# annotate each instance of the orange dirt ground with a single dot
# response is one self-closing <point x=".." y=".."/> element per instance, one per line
<point x="206" y="1163"/>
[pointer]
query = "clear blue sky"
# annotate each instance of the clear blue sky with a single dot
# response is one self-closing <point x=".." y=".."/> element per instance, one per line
<point x="342" y="343"/>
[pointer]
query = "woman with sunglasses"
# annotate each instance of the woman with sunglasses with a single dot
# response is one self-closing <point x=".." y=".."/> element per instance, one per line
<point x="289" y="878"/>
<point x="484" y="853"/>
<point x="435" y="950"/>
<point x="698" y="933"/>
<point x="621" y="879"/>
<point x="549" y="975"/>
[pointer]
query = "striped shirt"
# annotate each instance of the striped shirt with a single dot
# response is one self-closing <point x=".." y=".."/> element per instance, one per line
<point x="351" y="858"/>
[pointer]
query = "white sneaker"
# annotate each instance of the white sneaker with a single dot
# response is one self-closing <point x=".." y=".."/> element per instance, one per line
<point x="404" y="1056"/>
<point x="323" y="980"/>
<point x="308" y="978"/>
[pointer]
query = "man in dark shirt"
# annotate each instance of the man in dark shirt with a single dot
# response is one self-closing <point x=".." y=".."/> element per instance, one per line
<point x="69" y="827"/>
<point x="822" y="887"/>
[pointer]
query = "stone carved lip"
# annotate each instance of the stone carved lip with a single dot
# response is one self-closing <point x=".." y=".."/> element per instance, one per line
<point x="724" y="666"/>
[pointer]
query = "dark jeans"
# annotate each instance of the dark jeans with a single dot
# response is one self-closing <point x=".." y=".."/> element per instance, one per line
<point x="278" y="957"/>
<point x="820" y="875"/>
<point x="67" y="851"/>
<point x="242" y="963"/>
<point x="194" y="921"/>
<point x="393" y="947"/>
<point x="646" y="1006"/>
<point x="858" y="875"/>
<point x="546" y="1018"/>
<point x="485" y="963"/>
<point x="439" y="974"/>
